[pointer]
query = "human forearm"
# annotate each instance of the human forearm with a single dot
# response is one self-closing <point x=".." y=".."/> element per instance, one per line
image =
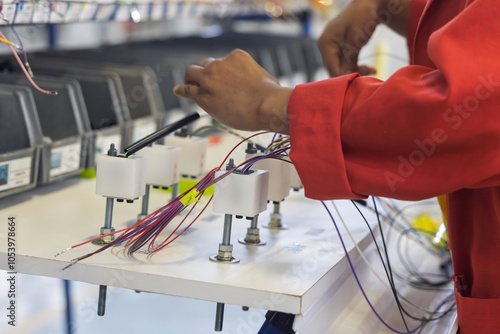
<point x="237" y="92"/>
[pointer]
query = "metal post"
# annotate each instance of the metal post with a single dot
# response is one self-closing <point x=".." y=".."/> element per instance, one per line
<point x="175" y="190"/>
<point x="253" y="236"/>
<point x="219" y="317"/>
<point x="226" y="236"/>
<point x="145" y="203"/>
<point x="101" y="305"/>
<point x="108" y="219"/>
<point x="275" y="221"/>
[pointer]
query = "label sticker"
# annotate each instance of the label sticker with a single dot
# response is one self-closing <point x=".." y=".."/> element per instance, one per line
<point x="157" y="11"/>
<point x="58" y="12"/>
<point x="122" y="13"/>
<point x="105" y="12"/>
<point x="15" y="173"/>
<point x="24" y="12"/>
<point x="9" y="13"/>
<point x="74" y="11"/>
<point x="295" y="248"/>
<point x="65" y="159"/>
<point x="88" y="11"/>
<point x="41" y="13"/>
<point x="143" y="9"/>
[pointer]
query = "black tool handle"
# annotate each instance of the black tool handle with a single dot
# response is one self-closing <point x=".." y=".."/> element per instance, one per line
<point x="160" y="133"/>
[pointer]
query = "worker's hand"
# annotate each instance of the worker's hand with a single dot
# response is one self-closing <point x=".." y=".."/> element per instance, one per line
<point x="345" y="35"/>
<point x="236" y="91"/>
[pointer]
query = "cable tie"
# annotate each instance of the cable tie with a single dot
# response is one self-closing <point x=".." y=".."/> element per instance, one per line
<point x="190" y="197"/>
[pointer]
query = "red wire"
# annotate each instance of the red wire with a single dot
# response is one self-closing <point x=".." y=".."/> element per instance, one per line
<point x="241" y="142"/>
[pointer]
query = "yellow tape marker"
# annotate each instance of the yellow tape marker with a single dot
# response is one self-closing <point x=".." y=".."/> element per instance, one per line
<point x="190" y="197"/>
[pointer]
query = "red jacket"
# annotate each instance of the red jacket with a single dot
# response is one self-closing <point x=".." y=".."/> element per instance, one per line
<point x="432" y="128"/>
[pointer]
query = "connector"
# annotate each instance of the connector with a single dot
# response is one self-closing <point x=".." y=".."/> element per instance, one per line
<point x="162" y="164"/>
<point x="241" y="194"/>
<point x="119" y="177"/>
<point x="279" y="177"/>
<point x="193" y="154"/>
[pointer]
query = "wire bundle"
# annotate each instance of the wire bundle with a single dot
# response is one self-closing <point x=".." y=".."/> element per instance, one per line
<point x="433" y="315"/>
<point x="26" y="66"/>
<point x="148" y="230"/>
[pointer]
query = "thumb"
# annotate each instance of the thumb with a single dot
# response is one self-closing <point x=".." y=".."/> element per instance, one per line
<point x="187" y="91"/>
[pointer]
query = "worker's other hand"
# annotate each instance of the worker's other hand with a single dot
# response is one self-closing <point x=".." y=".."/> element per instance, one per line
<point x="237" y="92"/>
<point x="346" y="34"/>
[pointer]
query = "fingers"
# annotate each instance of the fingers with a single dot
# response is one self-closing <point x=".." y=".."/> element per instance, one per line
<point x="187" y="91"/>
<point x="332" y="60"/>
<point x="366" y="70"/>
<point x="192" y="80"/>
<point x="206" y="61"/>
<point x="193" y="75"/>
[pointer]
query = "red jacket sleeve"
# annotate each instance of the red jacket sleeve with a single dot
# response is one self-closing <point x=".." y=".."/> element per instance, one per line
<point x="416" y="9"/>
<point x="421" y="133"/>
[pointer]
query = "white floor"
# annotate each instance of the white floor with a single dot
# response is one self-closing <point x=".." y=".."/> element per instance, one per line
<point x="41" y="311"/>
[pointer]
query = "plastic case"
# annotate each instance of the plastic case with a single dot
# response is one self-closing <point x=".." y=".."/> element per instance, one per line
<point x="241" y="194"/>
<point x="119" y="177"/>
<point x="104" y="98"/>
<point x="140" y="94"/>
<point x="279" y="177"/>
<point x="193" y="154"/>
<point x="20" y="140"/>
<point x="64" y="123"/>
<point x="162" y="164"/>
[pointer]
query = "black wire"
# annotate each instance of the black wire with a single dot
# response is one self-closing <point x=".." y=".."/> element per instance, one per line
<point x="389" y="277"/>
<point x="391" y="281"/>
<point x="396" y="297"/>
<point x="422" y="281"/>
<point x="400" y="213"/>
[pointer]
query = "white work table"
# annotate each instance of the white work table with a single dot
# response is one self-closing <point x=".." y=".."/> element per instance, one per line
<point x="299" y="270"/>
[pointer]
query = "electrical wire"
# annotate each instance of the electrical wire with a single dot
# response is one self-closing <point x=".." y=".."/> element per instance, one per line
<point x="441" y="252"/>
<point x="368" y="264"/>
<point x="146" y="231"/>
<point x="424" y="321"/>
<point x="276" y="143"/>
<point x="21" y="46"/>
<point x="223" y="128"/>
<point x="26" y="72"/>
<point x="357" y="279"/>
<point x="3" y="40"/>
<point x="388" y="269"/>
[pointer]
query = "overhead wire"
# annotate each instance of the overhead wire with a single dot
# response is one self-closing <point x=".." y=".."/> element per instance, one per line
<point x="28" y="76"/>
<point x="19" y="40"/>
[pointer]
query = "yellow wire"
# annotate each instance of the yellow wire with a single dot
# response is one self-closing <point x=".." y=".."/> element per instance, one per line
<point x="3" y="40"/>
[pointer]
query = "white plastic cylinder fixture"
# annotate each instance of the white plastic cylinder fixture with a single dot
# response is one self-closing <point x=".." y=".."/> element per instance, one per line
<point x="193" y="156"/>
<point x="162" y="164"/>
<point x="119" y="177"/>
<point x="279" y="177"/>
<point x="295" y="181"/>
<point x="241" y="194"/>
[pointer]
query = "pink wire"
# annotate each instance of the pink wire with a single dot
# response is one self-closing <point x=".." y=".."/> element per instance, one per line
<point x="25" y="71"/>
